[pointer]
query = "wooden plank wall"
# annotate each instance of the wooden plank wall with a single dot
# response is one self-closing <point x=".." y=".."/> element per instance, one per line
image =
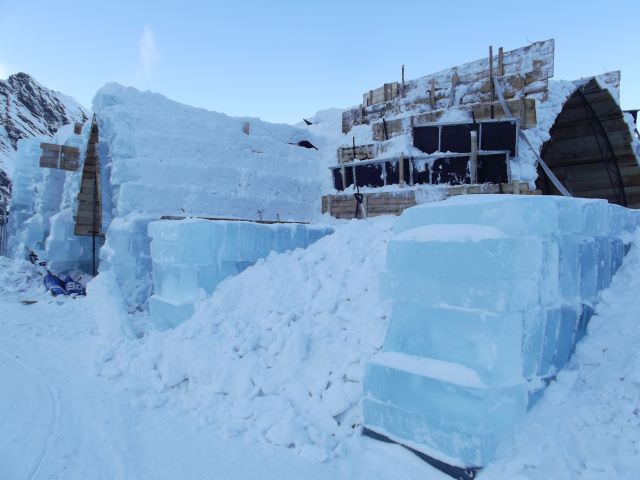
<point x="59" y="156"/>
<point x="524" y="109"/>
<point x="523" y="72"/>
<point x="387" y="92"/>
<point x="394" y="203"/>
<point x="89" y="214"/>
<point x="360" y="152"/>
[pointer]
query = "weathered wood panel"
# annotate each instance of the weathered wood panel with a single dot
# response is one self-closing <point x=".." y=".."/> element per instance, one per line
<point x="387" y="92"/>
<point x="361" y="152"/>
<point x="524" y="109"/>
<point x="394" y="203"/>
<point x="89" y="214"/>
<point x="526" y="73"/>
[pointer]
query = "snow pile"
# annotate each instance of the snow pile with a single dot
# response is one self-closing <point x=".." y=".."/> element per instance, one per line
<point x="278" y="351"/>
<point x="587" y="424"/>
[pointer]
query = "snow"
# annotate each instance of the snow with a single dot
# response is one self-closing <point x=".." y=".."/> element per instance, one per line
<point x="291" y="334"/>
<point x="61" y="420"/>
<point x="450" y="372"/>
<point x="100" y="403"/>
<point x="450" y="233"/>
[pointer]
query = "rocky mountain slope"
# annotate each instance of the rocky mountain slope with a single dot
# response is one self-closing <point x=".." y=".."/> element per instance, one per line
<point x="28" y="109"/>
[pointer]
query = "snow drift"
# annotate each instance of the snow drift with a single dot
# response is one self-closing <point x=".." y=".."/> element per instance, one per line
<point x="277" y="352"/>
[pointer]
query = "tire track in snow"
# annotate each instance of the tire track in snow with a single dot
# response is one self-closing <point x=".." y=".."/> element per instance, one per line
<point x="54" y="404"/>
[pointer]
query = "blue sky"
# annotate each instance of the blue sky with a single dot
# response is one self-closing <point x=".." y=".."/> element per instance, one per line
<point x="284" y="60"/>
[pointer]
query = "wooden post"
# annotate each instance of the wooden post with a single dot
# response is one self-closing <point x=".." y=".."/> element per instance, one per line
<point x="94" y="230"/>
<point x="432" y="94"/>
<point x="491" y="86"/>
<point x="473" y="158"/>
<point x="403" y="79"/>
<point x="454" y="83"/>
<point x="501" y="62"/>
<point x="401" y="170"/>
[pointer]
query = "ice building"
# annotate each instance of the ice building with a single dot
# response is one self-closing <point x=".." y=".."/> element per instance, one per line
<point x="500" y="124"/>
<point x="145" y="158"/>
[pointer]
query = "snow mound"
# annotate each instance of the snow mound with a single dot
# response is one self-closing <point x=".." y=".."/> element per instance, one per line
<point x="277" y="353"/>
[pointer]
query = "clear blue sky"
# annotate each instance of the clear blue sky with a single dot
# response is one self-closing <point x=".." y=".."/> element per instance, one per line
<point x="284" y="60"/>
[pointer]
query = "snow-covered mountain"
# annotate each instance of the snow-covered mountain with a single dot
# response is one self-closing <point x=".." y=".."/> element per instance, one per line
<point x="28" y="109"/>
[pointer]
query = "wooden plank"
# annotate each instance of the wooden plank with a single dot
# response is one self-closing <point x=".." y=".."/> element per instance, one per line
<point x="525" y="72"/>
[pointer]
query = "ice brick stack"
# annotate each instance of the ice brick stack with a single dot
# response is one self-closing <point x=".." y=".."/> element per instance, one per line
<point x="190" y="257"/>
<point x="490" y="295"/>
<point x="44" y="202"/>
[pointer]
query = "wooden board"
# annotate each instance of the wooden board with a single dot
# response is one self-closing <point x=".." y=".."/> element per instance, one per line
<point x="526" y="74"/>
<point x="394" y="203"/>
<point x="89" y="214"/>
<point x="524" y="109"/>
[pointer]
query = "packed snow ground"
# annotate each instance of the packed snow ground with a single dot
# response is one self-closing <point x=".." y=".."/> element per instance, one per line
<point x="261" y="383"/>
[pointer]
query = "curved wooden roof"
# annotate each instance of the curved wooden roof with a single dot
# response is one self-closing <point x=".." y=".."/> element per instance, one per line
<point x="590" y="149"/>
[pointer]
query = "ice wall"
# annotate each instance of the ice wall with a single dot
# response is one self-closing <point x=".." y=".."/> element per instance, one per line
<point x="44" y="202"/>
<point x="191" y="257"/>
<point x="166" y="158"/>
<point x="490" y="295"/>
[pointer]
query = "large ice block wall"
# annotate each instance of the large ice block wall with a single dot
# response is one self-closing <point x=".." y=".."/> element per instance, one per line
<point x="190" y="257"/>
<point x="490" y="295"/>
<point x="44" y="202"/>
<point x="166" y="158"/>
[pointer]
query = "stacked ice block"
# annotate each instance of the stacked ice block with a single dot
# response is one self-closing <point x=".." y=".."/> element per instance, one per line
<point x="490" y="295"/>
<point x="191" y="257"/>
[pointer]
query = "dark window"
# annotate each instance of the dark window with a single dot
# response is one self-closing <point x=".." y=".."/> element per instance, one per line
<point x="393" y="173"/>
<point x="426" y="138"/>
<point x="450" y="170"/>
<point x="348" y="177"/>
<point x="337" y="179"/>
<point x="498" y="136"/>
<point x="369" y="175"/>
<point x="493" y="168"/>
<point x="456" y="138"/>
<point x="421" y="175"/>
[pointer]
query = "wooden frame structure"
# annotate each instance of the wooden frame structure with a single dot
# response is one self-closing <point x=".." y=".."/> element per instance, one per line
<point x="590" y="149"/>
<point x="89" y="213"/>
